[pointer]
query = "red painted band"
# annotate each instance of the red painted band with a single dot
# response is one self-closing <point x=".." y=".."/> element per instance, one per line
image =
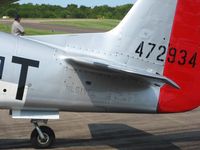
<point x="183" y="60"/>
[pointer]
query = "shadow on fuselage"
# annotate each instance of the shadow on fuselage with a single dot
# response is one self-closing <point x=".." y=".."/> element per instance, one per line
<point x="118" y="136"/>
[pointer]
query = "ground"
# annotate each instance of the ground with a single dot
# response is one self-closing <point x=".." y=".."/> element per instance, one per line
<point x="59" y="26"/>
<point x="94" y="131"/>
<point x="97" y="131"/>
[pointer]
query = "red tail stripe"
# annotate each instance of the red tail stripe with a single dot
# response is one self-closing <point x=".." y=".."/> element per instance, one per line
<point x="183" y="60"/>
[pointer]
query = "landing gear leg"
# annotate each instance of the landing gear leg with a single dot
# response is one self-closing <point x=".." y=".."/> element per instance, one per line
<point x="42" y="136"/>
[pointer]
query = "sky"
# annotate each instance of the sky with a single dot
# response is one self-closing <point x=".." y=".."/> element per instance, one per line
<point x="91" y="3"/>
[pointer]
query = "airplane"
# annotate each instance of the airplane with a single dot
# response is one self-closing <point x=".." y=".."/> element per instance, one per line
<point x="149" y="63"/>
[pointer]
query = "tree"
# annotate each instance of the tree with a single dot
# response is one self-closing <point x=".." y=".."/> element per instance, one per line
<point x="71" y="11"/>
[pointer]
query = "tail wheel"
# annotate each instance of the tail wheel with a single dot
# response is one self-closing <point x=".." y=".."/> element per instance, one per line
<point x="49" y="135"/>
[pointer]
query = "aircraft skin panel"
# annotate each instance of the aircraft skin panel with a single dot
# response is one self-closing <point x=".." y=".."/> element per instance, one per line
<point x="83" y="92"/>
<point x="56" y="84"/>
<point x="8" y="95"/>
<point x="144" y="35"/>
<point x="183" y="63"/>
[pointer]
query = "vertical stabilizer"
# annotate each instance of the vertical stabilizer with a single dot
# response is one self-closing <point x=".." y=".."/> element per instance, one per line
<point x="142" y="38"/>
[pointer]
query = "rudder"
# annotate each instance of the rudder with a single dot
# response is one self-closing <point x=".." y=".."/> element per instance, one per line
<point x="183" y="62"/>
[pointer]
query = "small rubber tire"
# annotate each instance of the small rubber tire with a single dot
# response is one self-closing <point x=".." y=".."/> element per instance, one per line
<point x="38" y="143"/>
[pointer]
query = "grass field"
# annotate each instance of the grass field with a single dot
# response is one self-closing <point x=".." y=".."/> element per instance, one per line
<point x="29" y="31"/>
<point x="104" y="24"/>
<point x="4" y="28"/>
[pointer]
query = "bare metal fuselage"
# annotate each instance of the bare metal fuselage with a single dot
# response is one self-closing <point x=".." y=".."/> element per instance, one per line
<point x="57" y="84"/>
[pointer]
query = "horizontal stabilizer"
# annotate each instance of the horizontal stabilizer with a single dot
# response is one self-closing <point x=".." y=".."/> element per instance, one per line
<point x="118" y="68"/>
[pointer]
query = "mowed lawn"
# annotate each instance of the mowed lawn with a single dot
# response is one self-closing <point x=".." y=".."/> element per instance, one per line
<point x="102" y="24"/>
<point x="29" y="31"/>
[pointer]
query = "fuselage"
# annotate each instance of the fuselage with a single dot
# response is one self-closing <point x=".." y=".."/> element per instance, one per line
<point x="55" y="84"/>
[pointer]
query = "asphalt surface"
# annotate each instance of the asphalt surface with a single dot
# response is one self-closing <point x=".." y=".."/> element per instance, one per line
<point x="93" y="131"/>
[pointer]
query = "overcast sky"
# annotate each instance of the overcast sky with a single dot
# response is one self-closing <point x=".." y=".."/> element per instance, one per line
<point x="79" y="2"/>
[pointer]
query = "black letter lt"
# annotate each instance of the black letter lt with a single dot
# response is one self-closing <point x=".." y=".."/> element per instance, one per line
<point x="25" y="63"/>
<point x="2" y="60"/>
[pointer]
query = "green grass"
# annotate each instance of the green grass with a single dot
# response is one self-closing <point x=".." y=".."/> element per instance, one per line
<point x="29" y="31"/>
<point x="5" y="28"/>
<point x="103" y="24"/>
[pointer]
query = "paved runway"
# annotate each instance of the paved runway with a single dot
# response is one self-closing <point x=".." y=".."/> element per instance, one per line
<point x="91" y="131"/>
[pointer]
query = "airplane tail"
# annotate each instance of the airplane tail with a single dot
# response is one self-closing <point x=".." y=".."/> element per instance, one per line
<point x="142" y="37"/>
<point x="182" y="61"/>
<point x="163" y="37"/>
<point x="156" y="37"/>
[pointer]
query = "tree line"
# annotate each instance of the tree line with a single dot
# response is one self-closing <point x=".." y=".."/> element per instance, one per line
<point x="71" y="11"/>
